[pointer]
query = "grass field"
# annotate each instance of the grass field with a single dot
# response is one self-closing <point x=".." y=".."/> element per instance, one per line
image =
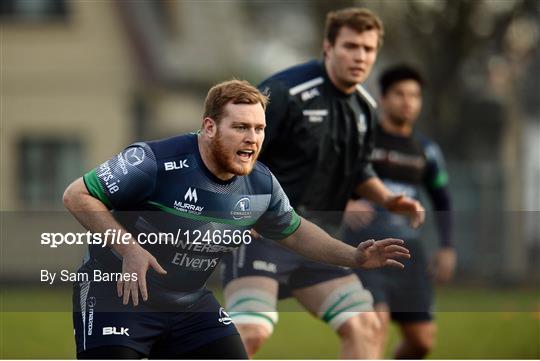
<point x="462" y="335"/>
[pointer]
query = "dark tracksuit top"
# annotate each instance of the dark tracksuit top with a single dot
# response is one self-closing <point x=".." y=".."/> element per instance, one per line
<point x="318" y="139"/>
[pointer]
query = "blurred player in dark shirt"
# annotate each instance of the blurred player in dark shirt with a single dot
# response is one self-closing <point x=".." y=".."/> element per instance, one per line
<point x="406" y="162"/>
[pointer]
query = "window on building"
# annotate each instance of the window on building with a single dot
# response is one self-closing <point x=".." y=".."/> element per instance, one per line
<point x="33" y="10"/>
<point x="46" y="167"/>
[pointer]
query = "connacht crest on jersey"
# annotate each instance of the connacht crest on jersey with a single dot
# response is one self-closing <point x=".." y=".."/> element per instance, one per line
<point x="242" y="209"/>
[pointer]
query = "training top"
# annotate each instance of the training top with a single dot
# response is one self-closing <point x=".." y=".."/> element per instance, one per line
<point x="318" y="139"/>
<point x="407" y="164"/>
<point x="164" y="187"/>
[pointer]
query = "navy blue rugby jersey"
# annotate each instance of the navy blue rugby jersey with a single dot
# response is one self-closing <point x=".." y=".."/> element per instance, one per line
<point x="406" y="165"/>
<point x="164" y="187"/>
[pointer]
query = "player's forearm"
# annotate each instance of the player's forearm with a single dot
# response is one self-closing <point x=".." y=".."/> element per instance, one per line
<point x="92" y="214"/>
<point x="374" y="190"/>
<point x="442" y="204"/>
<point x="312" y="242"/>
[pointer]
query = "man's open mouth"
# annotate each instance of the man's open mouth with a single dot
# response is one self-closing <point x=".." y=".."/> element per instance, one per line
<point x="246" y="154"/>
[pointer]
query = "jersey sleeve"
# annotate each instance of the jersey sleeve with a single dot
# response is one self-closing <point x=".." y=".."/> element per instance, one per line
<point x="277" y="110"/>
<point x="280" y="220"/>
<point x="436" y="184"/>
<point x="436" y="174"/>
<point x="126" y="180"/>
<point x="365" y="168"/>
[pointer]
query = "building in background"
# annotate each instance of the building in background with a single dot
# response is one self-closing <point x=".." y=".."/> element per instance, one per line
<point x="82" y="79"/>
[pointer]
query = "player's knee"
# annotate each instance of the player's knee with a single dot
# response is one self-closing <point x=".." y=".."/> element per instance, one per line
<point x="253" y="337"/>
<point x="365" y="326"/>
<point x="254" y="315"/>
<point x="423" y="340"/>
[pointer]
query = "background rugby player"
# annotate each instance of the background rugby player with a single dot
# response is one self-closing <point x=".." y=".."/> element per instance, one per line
<point x="407" y="162"/>
<point x="319" y="139"/>
<point x="180" y="318"/>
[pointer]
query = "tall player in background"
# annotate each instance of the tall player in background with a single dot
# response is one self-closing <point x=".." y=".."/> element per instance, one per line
<point x="406" y="162"/>
<point x="319" y="137"/>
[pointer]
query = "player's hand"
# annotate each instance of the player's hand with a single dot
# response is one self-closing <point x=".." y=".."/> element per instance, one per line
<point x="444" y="264"/>
<point x="411" y="208"/>
<point x="136" y="260"/>
<point x="386" y="252"/>
<point x="358" y="214"/>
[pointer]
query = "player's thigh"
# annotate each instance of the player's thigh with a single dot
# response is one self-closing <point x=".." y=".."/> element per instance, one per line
<point x="110" y="352"/>
<point x="337" y="300"/>
<point x="252" y="302"/>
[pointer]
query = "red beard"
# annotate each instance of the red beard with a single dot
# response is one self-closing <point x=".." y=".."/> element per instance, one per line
<point x="225" y="158"/>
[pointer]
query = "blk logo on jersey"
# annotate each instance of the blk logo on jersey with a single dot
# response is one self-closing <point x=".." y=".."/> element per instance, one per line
<point x="242" y="209"/>
<point x="224" y="317"/>
<point x="175" y="165"/>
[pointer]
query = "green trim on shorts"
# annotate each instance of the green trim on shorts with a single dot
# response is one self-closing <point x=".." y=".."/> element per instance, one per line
<point x="93" y="185"/>
<point x="245" y="299"/>
<point x="245" y="313"/>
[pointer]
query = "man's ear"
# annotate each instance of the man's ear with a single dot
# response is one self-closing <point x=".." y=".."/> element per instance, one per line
<point x="326" y="47"/>
<point x="209" y="127"/>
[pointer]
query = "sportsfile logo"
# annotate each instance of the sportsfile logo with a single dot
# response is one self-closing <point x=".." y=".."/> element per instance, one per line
<point x="118" y="331"/>
<point x="175" y="165"/>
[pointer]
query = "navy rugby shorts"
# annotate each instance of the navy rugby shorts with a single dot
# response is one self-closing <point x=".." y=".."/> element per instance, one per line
<point x="408" y="292"/>
<point x="173" y="324"/>
<point x="264" y="257"/>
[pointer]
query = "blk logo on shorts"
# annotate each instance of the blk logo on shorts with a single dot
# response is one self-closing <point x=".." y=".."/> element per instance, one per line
<point x="118" y="331"/>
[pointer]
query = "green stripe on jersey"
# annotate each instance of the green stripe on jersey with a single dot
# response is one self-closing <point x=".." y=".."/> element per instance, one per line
<point x="295" y="223"/>
<point x="91" y="181"/>
<point x="440" y="181"/>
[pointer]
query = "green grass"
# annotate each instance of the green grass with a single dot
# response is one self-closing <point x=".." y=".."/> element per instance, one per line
<point x="462" y="335"/>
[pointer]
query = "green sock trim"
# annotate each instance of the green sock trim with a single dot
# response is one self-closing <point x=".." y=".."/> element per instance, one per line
<point x="246" y="299"/>
<point x="232" y="314"/>
<point x="332" y="316"/>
